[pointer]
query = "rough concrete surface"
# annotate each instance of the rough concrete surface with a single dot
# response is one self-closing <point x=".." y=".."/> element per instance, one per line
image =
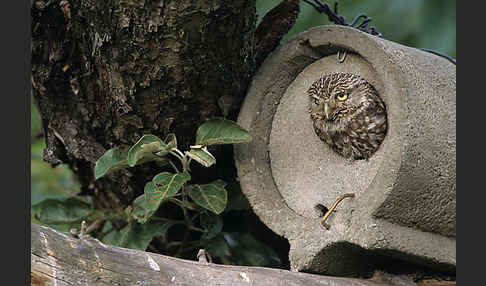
<point x="405" y="204"/>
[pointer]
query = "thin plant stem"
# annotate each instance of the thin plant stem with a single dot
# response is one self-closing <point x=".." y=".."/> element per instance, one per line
<point x="180" y="155"/>
<point x="173" y="152"/>
<point x="180" y="152"/>
<point x="195" y="228"/>
<point x="189" y="163"/>
<point x="174" y="166"/>
<point x="167" y="220"/>
<point x="183" y="243"/>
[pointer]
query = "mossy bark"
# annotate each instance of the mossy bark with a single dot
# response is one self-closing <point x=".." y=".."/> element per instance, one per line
<point x="106" y="72"/>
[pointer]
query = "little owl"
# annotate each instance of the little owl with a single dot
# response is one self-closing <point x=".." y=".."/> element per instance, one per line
<point x="348" y="114"/>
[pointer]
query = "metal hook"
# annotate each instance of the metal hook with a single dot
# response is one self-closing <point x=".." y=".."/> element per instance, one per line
<point x="328" y="213"/>
<point x="339" y="58"/>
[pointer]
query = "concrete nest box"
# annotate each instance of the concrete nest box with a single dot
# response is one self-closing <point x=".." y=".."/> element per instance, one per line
<point x="405" y="194"/>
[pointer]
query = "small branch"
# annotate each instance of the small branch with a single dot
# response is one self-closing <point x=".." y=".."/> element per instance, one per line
<point x="94" y="226"/>
<point x="204" y="257"/>
<point x="273" y="27"/>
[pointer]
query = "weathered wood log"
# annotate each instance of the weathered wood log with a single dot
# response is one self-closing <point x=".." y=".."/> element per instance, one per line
<point x="60" y="259"/>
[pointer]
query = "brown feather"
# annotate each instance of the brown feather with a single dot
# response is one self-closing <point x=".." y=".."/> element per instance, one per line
<point x="358" y="124"/>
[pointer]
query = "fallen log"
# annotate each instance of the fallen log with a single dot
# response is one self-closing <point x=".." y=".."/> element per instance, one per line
<point x="60" y="259"/>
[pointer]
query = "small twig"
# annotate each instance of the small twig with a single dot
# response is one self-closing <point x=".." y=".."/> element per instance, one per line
<point x="204" y="257"/>
<point x="83" y="228"/>
<point x="328" y="213"/>
<point x="94" y="225"/>
<point x="274" y="26"/>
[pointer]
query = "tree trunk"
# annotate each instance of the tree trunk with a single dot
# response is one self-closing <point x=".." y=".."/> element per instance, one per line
<point x="58" y="259"/>
<point x="106" y="72"/>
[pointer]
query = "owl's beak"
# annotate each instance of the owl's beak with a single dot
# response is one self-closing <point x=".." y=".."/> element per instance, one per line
<point x="327" y="110"/>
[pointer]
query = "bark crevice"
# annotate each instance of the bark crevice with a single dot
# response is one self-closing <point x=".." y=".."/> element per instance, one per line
<point x="106" y="72"/>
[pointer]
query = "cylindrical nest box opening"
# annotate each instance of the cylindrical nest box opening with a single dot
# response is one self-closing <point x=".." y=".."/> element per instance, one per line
<point x="404" y="192"/>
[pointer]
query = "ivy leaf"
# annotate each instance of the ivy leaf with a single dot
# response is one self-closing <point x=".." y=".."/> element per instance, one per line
<point x="113" y="160"/>
<point x="148" y="148"/>
<point x="221" y="131"/>
<point x="211" y="223"/>
<point x="212" y="196"/>
<point x="163" y="186"/>
<point x="202" y="156"/>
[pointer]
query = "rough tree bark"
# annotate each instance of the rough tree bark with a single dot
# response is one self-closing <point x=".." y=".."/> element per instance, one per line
<point x="103" y="73"/>
<point x="106" y="72"/>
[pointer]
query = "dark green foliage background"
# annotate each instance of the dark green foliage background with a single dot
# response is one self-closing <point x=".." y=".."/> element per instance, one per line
<point x="427" y="24"/>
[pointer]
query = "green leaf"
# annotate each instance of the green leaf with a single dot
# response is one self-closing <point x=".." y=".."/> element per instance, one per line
<point x="147" y="148"/>
<point x="138" y="236"/>
<point x="246" y="250"/>
<point x="51" y="183"/>
<point x="217" y="246"/>
<point x="162" y="162"/>
<point x="211" y="223"/>
<point x="163" y="186"/>
<point x="212" y="196"/>
<point x="141" y="211"/>
<point x="171" y="141"/>
<point x="236" y="199"/>
<point x="113" y="160"/>
<point x="62" y="227"/>
<point x="221" y="131"/>
<point x="202" y="156"/>
<point x="48" y="182"/>
<point x="190" y="205"/>
<point x="67" y="211"/>
<point x="109" y="234"/>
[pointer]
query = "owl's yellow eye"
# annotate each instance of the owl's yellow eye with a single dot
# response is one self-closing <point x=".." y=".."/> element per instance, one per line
<point x="342" y="96"/>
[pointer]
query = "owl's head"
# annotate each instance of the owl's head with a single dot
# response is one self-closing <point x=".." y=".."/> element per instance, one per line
<point x="338" y="96"/>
